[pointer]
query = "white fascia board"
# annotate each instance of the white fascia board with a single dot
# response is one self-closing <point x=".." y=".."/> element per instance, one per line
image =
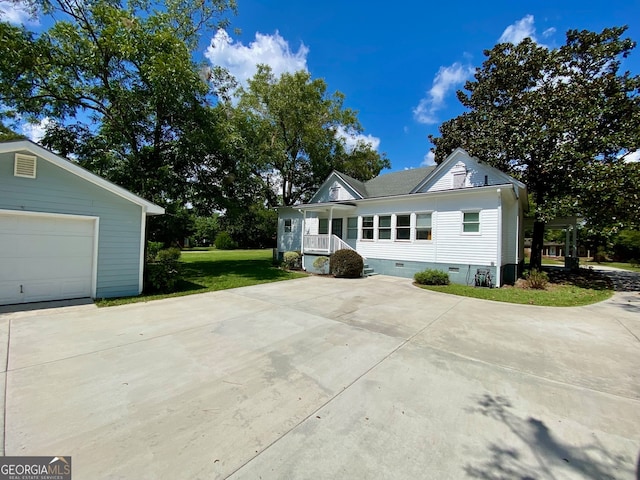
<point x="27" y="145"/>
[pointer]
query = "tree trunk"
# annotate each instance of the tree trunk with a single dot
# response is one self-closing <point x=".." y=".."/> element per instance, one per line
<point x="536" y="245"/>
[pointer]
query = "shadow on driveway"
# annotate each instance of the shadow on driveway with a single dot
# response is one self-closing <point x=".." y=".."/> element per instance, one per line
<point x="544" y="452"/>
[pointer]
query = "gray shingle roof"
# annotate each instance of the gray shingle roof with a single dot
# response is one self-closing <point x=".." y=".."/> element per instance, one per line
<point x="389" y="184"/>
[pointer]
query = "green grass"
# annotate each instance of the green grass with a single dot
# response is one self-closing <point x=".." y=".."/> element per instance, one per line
<point x="208" y="271"/>
<point x="555" y="296"/>
<point x="624" y="266"/>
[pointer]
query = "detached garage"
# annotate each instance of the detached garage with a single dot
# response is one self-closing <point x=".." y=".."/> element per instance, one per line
<point x="65" y="232"/>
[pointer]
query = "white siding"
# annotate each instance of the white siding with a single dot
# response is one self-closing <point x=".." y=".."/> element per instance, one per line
<point x="475" y="175"/>
<point x="449" y="244"/>
<point x="289" y="241"/>
<point x="333" y="190"/>
<point x="454" y="246"/>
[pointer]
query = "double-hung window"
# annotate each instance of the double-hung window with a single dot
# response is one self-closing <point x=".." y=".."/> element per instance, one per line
<point x="471" y="222"/>
<point x="367" y="228"/>
<point x="384" y="227"/>
<point x="287" y="225"/>
<point x="423" y="226"/>
<point x="403" y="227"/>
<point x="352" y="228"/>
<point x="323" y="226"/>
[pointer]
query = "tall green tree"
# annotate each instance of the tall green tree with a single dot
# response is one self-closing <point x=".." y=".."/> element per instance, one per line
<point x="559" y="119"/>
<point x="292" y="126"/>
<point x="118" y="82"/>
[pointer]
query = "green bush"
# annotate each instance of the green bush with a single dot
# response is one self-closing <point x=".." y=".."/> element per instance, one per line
<point x="163" y="272"/>
<point x="346" y="264"/>
<point x="292" y="260"/>
<point x="152" y="250"/>
<point x="432" y="277"/>
<point x="225" y="242"/>
<point x="320" y="263"/>
<point x="536" y="279"/>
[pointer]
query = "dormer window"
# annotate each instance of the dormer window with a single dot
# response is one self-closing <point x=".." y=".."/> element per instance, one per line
<point x="334" y="193"/>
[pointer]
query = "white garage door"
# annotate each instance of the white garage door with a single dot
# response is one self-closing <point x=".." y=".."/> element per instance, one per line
<point x="45" y="258"/>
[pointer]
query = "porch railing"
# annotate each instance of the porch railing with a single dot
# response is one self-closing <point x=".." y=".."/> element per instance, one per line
<point x="324" y="244"/>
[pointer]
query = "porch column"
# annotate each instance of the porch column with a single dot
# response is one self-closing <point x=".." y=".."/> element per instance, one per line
<point x="304" y="222"/>
<point x="567" y="242"/>
<point x="330" y="229"/>
<point x="574" y="252"/>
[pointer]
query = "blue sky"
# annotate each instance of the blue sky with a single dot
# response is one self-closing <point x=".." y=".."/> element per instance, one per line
<point x="398" y="65"/>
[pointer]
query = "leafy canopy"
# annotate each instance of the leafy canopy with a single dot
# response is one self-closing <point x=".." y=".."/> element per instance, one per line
<point x="295" y="128"/>
<point x="561" y="120"/>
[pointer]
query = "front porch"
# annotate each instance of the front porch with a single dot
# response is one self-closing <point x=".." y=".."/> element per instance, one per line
<point x="323" y="244"/>
<point x="324" y="226"/>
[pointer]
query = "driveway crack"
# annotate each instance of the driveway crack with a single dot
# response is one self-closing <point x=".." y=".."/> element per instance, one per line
<point x="344" y="389"/>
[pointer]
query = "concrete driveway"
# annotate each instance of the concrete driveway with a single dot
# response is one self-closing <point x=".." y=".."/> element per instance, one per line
<point x="327" y="378"/>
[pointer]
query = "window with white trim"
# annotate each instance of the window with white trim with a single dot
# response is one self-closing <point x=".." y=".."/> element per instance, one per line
<point x="403" y="227"/>
<point x="384" y="227"/>
<point x="367" y="228"/>
<point x="352" y="228"/>
<point x="287" y="225"/>
<point x="423" y="226"/>
<point x="471" y="222"/>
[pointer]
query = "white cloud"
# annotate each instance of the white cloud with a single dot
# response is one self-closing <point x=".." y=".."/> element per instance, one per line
<point x="447" y="79"/>
<point x="35" y="131"/>
<point x="632" y="157"/>
<point x="548" y="32"/>
<point x="428" y="160"/>
<point x="241" y="60"/>
<point x="518" y="31"/>
<point x="352" y="139"/>
<point x="15" y="13"/>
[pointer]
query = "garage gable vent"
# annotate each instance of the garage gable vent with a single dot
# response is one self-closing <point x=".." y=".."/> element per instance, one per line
<point x="25" y="166"/>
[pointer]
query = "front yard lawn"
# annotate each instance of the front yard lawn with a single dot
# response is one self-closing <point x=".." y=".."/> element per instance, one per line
<point x="624" y="266"/>
<point x="207" y="271"/>
<point x="565" y="290"/>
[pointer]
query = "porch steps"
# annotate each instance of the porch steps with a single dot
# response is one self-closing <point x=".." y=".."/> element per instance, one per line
<point x="368" y="271"/>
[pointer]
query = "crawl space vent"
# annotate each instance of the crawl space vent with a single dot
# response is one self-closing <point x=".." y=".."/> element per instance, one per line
<point x="25" y="166"/>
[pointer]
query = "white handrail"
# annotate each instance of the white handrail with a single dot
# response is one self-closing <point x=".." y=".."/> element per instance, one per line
<point x="339" y="244"/>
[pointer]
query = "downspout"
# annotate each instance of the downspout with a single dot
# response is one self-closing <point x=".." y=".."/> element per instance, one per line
<point x="499" y="242"/>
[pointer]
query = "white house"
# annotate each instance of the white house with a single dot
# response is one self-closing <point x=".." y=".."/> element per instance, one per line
<point x="463" y="217"/>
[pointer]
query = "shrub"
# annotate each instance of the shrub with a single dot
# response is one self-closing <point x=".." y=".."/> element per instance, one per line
<point x="320" y="263"/>
<point x="225" y="242"/>
<point x="346" y="264"/>
<point x="600" y="255"/>
<point x="152" y="250"/>
<point x="292" y="260"/>
<point x="163" y="272"/>
<point x="536" y="279"/>
<point x="432" y="277"/>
